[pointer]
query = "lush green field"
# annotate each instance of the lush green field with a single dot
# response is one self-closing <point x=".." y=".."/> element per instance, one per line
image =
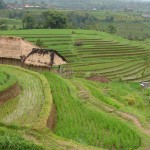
<point x="127" y="24"/>
<point x="99" y="53"/>
<point x="79" y="121"/>
<point x="31" y="101"/>
<point x="119" y="16"/>
<point x="83" y="115"/>
<point x="17" y="111"/>
<point x="6" y="81"/>
<point x="14" y="141"/>
<point x="89" y="115"/>
<point x="12" y="23"/>
<point x="23" y="120"/>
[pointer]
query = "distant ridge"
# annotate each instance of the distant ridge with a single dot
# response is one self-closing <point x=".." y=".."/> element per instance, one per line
<point x="94" y="4"/>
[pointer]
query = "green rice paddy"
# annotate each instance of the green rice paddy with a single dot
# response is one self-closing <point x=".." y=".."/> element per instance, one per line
<point x="89" y="114"/>
<point x="100" y="53"/>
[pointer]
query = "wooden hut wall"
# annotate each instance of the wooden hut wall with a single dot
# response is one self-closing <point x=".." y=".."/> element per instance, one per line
<point x="10" y="61"/>
<point x="17" y="62"/>
<point x="35" y="68"/>
<point x="1" y="60"/>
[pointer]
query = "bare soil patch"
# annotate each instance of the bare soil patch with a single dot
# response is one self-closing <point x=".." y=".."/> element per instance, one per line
<point x="101" y="79"/>
<point x="9" y="93"/>
<point x="51" y="122"/>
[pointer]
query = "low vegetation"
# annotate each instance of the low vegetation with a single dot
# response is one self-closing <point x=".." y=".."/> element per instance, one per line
<point x="85" y="125"/>
<point x="14" y="141"/>
<point x="32" y="101"/>
<point x="99" y="53"/>
<point x="6" y="81"/>
<point x="133" y="25"/>
<point x="18" y="130"/>
<point x="90" y="115"/>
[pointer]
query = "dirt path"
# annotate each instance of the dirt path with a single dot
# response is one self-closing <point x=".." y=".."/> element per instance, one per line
<point x="108" y="109"/>
<point x="86" y="95"/>
<point x="135" y="121"/>
<point x="51" y="122"/>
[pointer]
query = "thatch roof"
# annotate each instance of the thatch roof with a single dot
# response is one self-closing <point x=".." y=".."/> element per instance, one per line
<point x="44" y="57"/>
<point x="17" y="48"/>
<point x="14" y="47"/>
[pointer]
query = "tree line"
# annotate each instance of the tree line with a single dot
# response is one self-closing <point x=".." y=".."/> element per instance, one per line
<point x="57" y="20"/>
<point x="2" y="4"/>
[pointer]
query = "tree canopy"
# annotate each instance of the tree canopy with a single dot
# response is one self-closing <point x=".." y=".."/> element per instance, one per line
<point x="28" y="22"/>
<point x="2" y="4"/>
<point x="53" y="20"/>
<point x="3" y="25"/>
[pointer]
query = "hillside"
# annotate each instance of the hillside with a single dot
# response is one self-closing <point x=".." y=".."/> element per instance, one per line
<point x="99" y="53"/>
<point x="85" y="114"/>
<point x="91" y="116"/>
<point x="94" y="102"/>
<point x="24" y="118"/>
<point x="128" y="24"/>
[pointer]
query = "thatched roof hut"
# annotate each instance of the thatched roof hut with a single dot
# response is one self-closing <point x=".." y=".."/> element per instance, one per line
<point x="29" y="54"/>
<point x="44" y="57"/>
<point x="14" y="47"/>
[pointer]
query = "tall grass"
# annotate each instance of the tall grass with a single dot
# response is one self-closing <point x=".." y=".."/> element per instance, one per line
<point x="77" y="122"/>
<point x="13" y="141"/>
<point x="6" y="81"/>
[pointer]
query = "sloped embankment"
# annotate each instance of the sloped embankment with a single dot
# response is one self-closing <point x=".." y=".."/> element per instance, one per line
<point x="9" y="87"/>
<point x="35" y="99"/>
<point x="9" y="93"/>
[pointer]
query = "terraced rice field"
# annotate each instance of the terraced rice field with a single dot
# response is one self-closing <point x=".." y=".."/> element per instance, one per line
<point x="89" y="113"/>
<point x="99" y="53"/>
<point x="6" y="81"/>
<point x="92" y="112"/>
<point x="94" y="115"/>
<point x="28" y="103"/>
<point x="23" y="119"/>
<point x="126" y="23"/>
